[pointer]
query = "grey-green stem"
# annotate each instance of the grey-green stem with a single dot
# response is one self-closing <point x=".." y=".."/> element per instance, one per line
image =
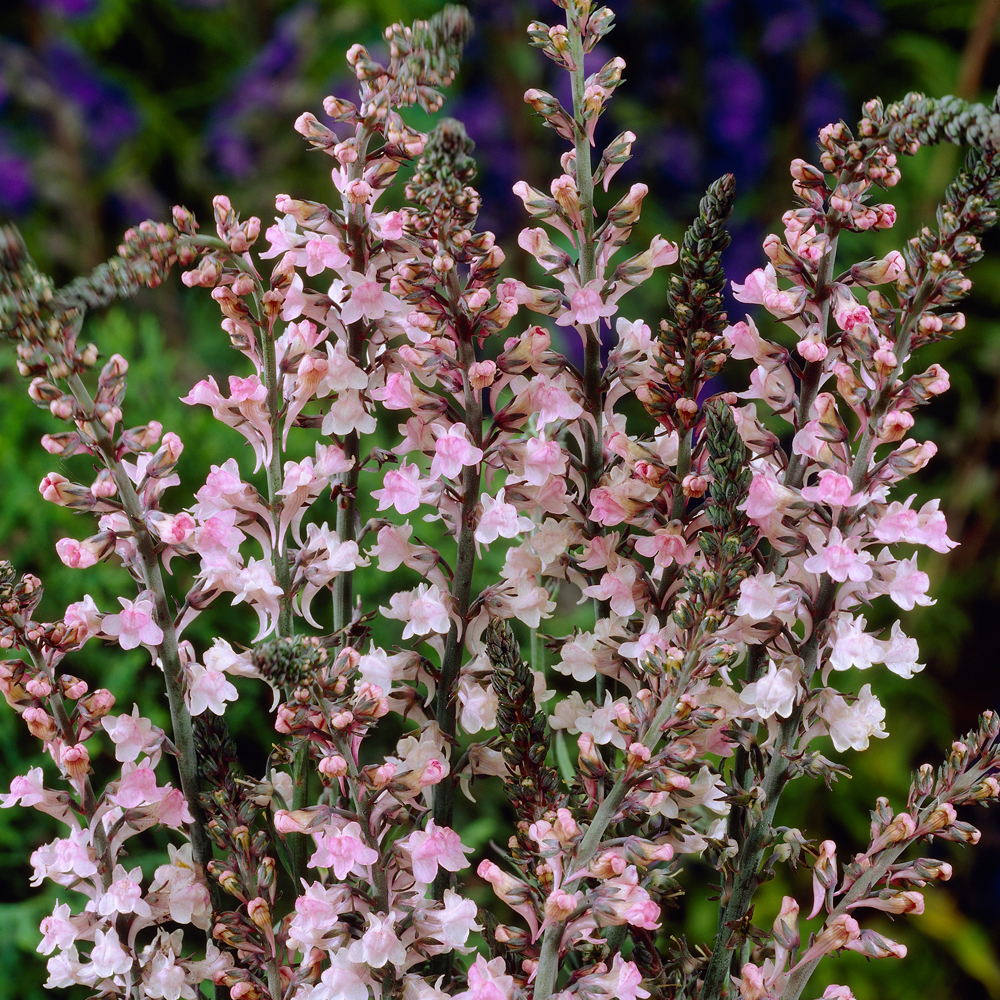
<point x="461" y="591"/>
<point x="343" y="585"/>
<point x="173" y="670"/>
<point x="548" y="959"/>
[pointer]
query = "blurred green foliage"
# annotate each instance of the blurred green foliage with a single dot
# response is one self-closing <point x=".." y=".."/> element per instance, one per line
<point x="111" y="110"/>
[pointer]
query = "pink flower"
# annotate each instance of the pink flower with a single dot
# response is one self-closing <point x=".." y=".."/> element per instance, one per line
<point x="499" y="519"/>
<point x="75" y="555"/>
<point x="833" y="489"/>
<point x="400" y="489"/>
<point x="124" y="895"/>
<point x="840" y="560"/>
<point x="208" y="689"/>
<point x="542" y="459"/>
<point x="623" y="982"/>
<point x="433" y="847"/>
<point x="452" y="452"/>
<point x="379" y="945"/>
<point x="108" y="956"/>
<point x="131" y="734"/>
<point x="617" y="586"/>
<point x="368" y="299"/>
<point x="586" y="306"/>
<point x="133" y="625"/>
<point x="852" y="725"/>
<point x="343" y="851"/>
<point x="424" y="610"/>
<point x="488" y="981"/>
<point x="324" y="253"/>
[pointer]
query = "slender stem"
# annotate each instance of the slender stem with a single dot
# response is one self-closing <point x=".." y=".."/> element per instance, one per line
<point x="279" y="555"/>
<point x="347" y="506"/>
<point x="173" y="670"/>
<point x="461" y="590"/>
<point x="548" y="959"/>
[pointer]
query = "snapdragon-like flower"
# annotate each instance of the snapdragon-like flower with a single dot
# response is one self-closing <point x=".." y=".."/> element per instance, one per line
<point x="134" y="624"/>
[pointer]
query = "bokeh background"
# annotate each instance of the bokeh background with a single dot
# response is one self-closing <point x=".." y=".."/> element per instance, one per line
<point x="112" y="110"/>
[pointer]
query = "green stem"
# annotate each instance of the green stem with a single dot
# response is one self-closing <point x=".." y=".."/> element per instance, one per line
<point x="444" y="791"/>
<point x="173" y="670"/>
<point x="347" y="505"/>
<point x="548" y="959"/>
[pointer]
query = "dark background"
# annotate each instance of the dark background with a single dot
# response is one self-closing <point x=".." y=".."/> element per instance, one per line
<point x="113" y="110"/>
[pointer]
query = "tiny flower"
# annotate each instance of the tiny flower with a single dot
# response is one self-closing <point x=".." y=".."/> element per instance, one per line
<point x="133" y="625"/>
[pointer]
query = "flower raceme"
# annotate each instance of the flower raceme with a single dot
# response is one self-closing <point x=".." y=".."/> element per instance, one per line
<point x="723" y="571"/>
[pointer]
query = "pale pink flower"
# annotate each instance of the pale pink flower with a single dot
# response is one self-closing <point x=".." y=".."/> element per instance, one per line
<point x="133" y="624"/>
<point x="207" y="689"/>
<point x="261" y="591"/>
<point x="667" y="545"/>
<point x="452" y="452"/>
<point x="348" y="413"/>
<point x="59" y="930"/>
<point x="343" y="980"/>
<point x="400" y="489"/>
<point x="424" y="610"/>
<point x="317" y="910"/>
<point x="773" y="694"/>
<point x="74" y="554"/>
<point x="839" y="558"/>
<point x="124" y="895"/>
<point x="623" y="982"/>
<point x="833" y="489"/>
<point x="542" y="459"/>
<point x="851" y="726"/>
<point x="909" y="585"/>
<point x="900" y="652"/>
<point x="617" y="586"/>
<point x="343" y="851"/>
<point x="433" y="847"/>
<point x="131" y="734"/>
<point x="108" y="956"/>
<point x="65" y="860"/>
<point x="369" y="299"/>
<point x="478" y="704"/>
<point x="167" y="980"/>
<point x="499" y="519"/>
<point x="452" y="924"/>
<point x="586" y="306"/>
<point x="379" y="945"/>
<point x="324" y="253"/>
<point x="488" y="981"/>
<point x="851" y="645"/>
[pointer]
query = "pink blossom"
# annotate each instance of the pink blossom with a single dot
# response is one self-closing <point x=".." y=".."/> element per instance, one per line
<point x="586" y="306"/>
<point x="617" y="586"/>
<point x="852" y="725"/>
<point x="75" y="555"/>
<point x="108" y="956"/>
<point x="773" y="694"/>
<point x="400" y="489"/>
<point x="324" y="253"/>
<point x="343" y="851"/>
<point x="909" y="585"/>
<point x="488" y="981"/>
<point x="452" y="924"/>
<point x="550" y="399"/>
<point x="851" y="645"/>
<point x="134" y="624"/>
<point x="433" y="847"/>
<point x="260" y="590"/>
<point x="131" y="734"/>
<point x="59" y="930"/>
<point x="368" y="300"/>
<point x="317" y="910"/>
<point x="348" y="413"/>
<point x="840" y="559"/>
<point x="208" y="689"/>
<point x="342" y="980"/>
<point x="26" y="790"/>
<point x="424" y="610"/>
<point x="124" y="895"/>
<point x="167" y="980"/>
<point x="379" y="945"/>
<point x="623" y="982"/>
<point x="900" y="653"/>
<point x="833" y="489"/>
<point x="500" y="519"/>
<point x="452" y="452"/>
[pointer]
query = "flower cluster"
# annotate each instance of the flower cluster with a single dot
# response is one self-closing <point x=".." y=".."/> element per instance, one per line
<point x="727" y="571"/>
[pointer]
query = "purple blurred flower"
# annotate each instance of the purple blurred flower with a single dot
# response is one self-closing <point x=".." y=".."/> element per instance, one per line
<point x="825" y="102"/>
<point x="788" y="28"/>
<point x="67" y="8"/>
<point x="231" y="135"/>
<point x="108" y="116"/>
<point x="16" y="188"/>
